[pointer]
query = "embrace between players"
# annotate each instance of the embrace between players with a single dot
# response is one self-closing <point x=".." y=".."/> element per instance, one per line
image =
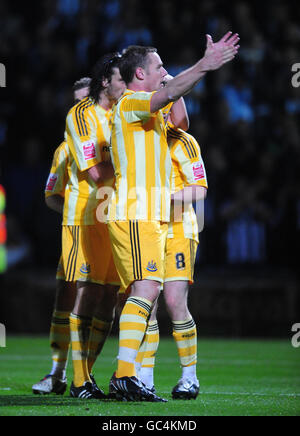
<point x="126" y="136"/>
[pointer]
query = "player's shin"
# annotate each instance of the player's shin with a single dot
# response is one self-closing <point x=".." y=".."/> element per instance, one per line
<point x="80" y="332"/>
<point x="133" y="324"/>
<point x="59" y="342"/>
<point x="185" y="335"/>
<point x="98" y="335"/>
<point x="146" y="373"/>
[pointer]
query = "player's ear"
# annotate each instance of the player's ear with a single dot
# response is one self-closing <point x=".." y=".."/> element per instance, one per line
<point x="140" y="73"/>
<point x="105" y="82"/>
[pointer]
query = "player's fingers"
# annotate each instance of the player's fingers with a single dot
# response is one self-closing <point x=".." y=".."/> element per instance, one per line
<point x="209" y="40"/>
<point x="233" y="40"/>
<point x="228" y="58"/>
<point x="227" y="35"/>
<point x="233" y="48"/>
<point x="230" y="51"/>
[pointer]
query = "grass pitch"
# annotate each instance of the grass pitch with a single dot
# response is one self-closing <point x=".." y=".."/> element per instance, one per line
<point x="236" y="377"/>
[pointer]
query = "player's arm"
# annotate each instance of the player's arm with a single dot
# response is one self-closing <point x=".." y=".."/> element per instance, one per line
<point x="85" y="147"/>
<point x="57" y="180"/>
<point x="192" y="171"/>
<point x="216" y="55"/>
<point x="178" y="113"/>
<point x="190" y="194"/>
<point x="179" y="116"/>
<point x="55" y="202"/>
<point x="101" y="172"/>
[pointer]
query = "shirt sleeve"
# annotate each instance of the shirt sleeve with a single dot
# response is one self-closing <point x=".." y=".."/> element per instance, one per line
<point x="58" y="177"/>
<point x="136" y="107"/>
<point x="81" y="130"/>
<point x="191" y="166"/>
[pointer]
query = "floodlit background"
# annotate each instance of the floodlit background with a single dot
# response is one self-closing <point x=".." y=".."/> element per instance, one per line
<point x="246" y="118"/>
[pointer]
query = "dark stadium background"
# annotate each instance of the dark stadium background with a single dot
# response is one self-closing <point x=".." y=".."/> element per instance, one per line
<point x="245" y="117"/>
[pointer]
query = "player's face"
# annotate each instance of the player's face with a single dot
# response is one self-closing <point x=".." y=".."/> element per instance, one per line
<point x="80" y="94"/>
<point x="155" y="72"/>
<point x="116" y="86"/>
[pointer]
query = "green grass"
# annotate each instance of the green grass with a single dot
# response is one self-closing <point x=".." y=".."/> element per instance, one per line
<point x="237" y="378"/>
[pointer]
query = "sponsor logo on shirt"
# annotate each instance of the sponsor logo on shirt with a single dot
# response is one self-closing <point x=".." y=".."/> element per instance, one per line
<point x="51" y="182"/>
<point x="89" y="150"/>
<point x="198" y="171"/>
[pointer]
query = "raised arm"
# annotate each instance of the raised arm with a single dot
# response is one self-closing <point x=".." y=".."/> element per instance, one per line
<point x="178" y="114"/>
<point x="216" y="55"/>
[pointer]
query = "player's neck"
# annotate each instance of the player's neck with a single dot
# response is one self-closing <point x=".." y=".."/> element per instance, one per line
<point x="105" y="102"/>
<point x="137" y="86"/>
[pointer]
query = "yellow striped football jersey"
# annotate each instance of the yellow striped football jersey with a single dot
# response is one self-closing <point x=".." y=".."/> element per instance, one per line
<point x="88" y="138"/>
<point x="58" y="176"/>
<point x="166" y="110"/>
<point x="188" y="169"/>
<point x="142" y="161"/>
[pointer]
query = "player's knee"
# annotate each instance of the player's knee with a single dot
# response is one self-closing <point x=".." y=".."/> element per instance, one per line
<point x="107" y="305"/>
<point x="109" y="301"/>
<point x="176" y="306"/>
<point x="148" y="289"/>
<point x="156" y="291"/>
<point x="172" y="302"/>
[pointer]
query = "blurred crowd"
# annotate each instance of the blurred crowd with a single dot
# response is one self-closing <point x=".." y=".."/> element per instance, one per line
<point x="245" y="116"/>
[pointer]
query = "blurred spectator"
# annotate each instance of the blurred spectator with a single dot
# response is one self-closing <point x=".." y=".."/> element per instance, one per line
<point x="3" y="260"/>
<point x="246" y="216"/>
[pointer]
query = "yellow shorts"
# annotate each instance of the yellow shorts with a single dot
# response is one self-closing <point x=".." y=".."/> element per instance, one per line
<point x="139" y="250"/>
<point x="87" y="255"/>
<point x="180" y="259"/>
<point x="60" y="272"/>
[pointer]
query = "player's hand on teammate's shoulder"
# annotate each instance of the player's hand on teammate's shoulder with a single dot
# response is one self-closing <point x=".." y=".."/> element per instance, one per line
<point x="221" y="52"/>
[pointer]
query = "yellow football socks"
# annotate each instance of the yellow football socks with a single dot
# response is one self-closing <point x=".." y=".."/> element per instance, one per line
<point x="80" y="332"/>
<point x="133" y="324"/>
<point x="185" y="335"/>
<point x="59" y="342"/>
<point x="99" y="332"/>
<point x="148" y="350"/>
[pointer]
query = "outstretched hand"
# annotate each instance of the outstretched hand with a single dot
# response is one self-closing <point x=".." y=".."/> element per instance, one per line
<point x="221" y="52"/>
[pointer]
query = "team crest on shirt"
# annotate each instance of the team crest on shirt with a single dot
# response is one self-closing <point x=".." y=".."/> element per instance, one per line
<point x="151" y="267"/>
<point x="85" y="268"/>
<point x="51" y="182"/>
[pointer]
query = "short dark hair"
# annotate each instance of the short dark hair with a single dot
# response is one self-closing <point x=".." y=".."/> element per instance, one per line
<point x="133" y="57"/>
<point x="103" y="70"/>
<point x="84" y="82"/>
